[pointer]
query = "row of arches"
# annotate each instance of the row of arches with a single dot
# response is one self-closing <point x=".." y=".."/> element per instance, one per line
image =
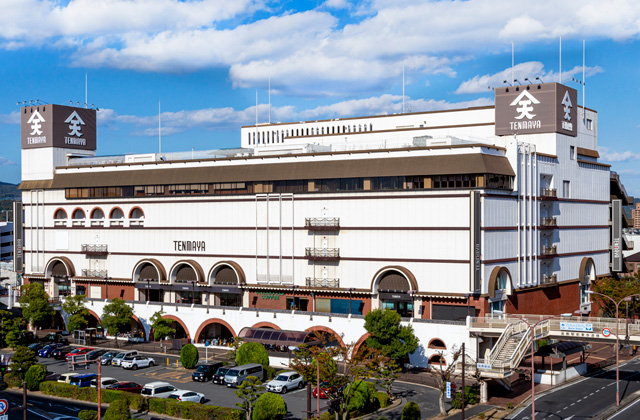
<point x="275" y="136"/>
<point x="98" y="214"/>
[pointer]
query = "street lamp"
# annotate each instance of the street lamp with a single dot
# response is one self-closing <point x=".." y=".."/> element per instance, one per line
<point x="617" y="304"/>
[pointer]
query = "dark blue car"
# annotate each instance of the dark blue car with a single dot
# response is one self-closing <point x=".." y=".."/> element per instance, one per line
<point x="46" y="350"/>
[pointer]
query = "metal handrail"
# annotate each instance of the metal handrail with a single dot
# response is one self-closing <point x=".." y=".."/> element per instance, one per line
<point x="315" y="282"/>
<point x="549" y="192"/>
<point x="322" y="222"/>
<point x="322" y="252"/>
<point x="549" y="249"/>
<point x="549" y="221"/>
<point x="94" y="248"/>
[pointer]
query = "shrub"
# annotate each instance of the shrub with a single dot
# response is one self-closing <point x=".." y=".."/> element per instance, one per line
<point x="88" y="415"/>
<point x="382" y="398"/>
<point x="252" y="353"/>
<point x="34" y="376"/>
<point x="189" y="356"/>
<point x="193" y="411"/>
<point x="118" y="410"/>
<point x="269" y="372"/>
<point x="269" y="407"/>
<point x="411" y="411"/>
<point x="12" y="380"/>
<point x="361" y="401"/>
<point x="327" y="416"/>
<point x="509" y="405"/>
<point x="470" y="397"/>
<point x="22" y="360"/>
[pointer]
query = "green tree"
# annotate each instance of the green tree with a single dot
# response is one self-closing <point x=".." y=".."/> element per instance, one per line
<point x="116" y="317"/>
<point x="411" y="411"/>
<point x="118" y="410"/>
<point x="6" y="319"/>
<point x="88" y="415"/>
<point x="617" y="290"/>
<point x="443" y="374"/>
<point x="249" y="392"/>
<point x="74" y="306"/>
<point x="15" y="330"/>
<point x="161" y="326"/>
<point x="304" y="362"/>
<point x="387" y="335"/>
<point x="386" y="375"/>
<point x="270" y="407"/>
<point x="189" y="356"/>
<point x="252" y="353"/>
<point x="35" y="304"/>
<point x="22" y="360"/>
<point x="35" y="376"/>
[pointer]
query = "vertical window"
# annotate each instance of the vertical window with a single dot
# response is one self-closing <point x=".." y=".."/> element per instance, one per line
<point x="589" y="124"/>
<point x="566" y="189"/>
<point x="572" y="152"/>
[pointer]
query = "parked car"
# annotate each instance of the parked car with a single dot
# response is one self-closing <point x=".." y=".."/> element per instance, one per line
<point x="84" y="380"/>
<point x="185" y="395"/>
<point x="285" y="381"/>
<point x="106" y="358"/>
<point x="205" y="371"/>
<point x="136" y="362"/>
<point x="218" y="377"/>
<point x="237" y="375"/>
<point x="61" y="352"/>
<point x="35" y="346"/>
<point x="66" y="377"/>
<point x="78" y="352"/>
<point x="105" y="382"/>
<point x="54" y="338"/>
<point x="122" y="355"/>
<point x="158" y="389"/>
<point x="95" y="354"/>
<point x="48" y="349"/>
<point x="126" y="386"/>
<point x="325" y="390"/>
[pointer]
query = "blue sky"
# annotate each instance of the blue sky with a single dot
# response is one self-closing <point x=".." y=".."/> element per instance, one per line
<point x="204" y="61"/>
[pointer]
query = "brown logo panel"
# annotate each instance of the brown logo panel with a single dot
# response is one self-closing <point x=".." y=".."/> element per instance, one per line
<point x="58" y="126"/>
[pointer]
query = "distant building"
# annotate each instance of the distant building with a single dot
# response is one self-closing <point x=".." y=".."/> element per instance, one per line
<point x="6" y="241"/>
<point x="635" y="216"/>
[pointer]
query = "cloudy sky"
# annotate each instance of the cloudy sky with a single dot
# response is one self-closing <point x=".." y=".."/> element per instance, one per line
<point x="204" y="61"/>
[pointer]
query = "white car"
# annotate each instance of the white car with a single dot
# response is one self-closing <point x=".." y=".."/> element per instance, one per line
<point x="186" y="395"/>
<point x="105" y="382"/>
<point x="136" y="362"/>
<point x="286" y="381"/>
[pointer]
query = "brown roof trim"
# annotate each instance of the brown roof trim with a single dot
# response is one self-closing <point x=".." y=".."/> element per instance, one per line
<point x="471" y="163"/>
<point x="440" y="111"/>
<point x="45" y="184"/>
<point x="588" y="152"/>
<point x="391" y="130"/>
<point x="547" y="155"/>
<point x="604" y="165"/>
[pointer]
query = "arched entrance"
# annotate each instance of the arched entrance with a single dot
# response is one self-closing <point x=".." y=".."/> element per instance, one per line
<point x="185" y="276"/>
<point x="93" y="320"/>
<point x="332" y="338"/>
<point x="59" y="270"/>
<point x="181" y="329"/>
<point x="224" y="279"/>
<point x="395" y="287"/>
<point x="216" y="331"/>
<point x="147" y="277"/>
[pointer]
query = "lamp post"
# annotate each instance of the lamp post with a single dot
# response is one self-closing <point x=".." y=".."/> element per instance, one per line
<point x="617" y="304"/>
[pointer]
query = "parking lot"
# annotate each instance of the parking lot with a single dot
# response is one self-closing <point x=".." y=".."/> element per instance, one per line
<point x="181" y="378"/>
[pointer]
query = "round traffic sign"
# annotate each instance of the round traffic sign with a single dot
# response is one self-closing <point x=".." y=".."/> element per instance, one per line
<point x="4" y="406"/>
<point x="606" y="332"/>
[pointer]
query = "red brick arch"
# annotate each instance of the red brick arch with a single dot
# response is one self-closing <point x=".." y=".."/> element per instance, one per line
<point x="214" y="321"/>
<point x="179" y="321"/>
<point x="265" y="324"/>
<point x="327" y="330"/>
<point x="359" y="343"/>
<point x="95" y="315"/>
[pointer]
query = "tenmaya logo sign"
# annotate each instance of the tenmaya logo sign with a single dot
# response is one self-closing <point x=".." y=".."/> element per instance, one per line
<point x="529" y="109"/>
<point x="36" y="136"/>
<point x="58" y="126"/>
<point x="75" y="125"/>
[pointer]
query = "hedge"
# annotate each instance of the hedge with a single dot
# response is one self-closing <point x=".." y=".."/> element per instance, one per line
<point x="382" y="398"/>
<point x="184" y="410"/>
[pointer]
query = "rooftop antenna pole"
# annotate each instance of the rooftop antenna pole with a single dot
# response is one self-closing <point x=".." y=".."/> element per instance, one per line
<point x="560" y="75"/>
<point x="512" y="60"/>
<point x="584" y="82"/>
<point x="159" y="129"/>
<point x="86" y="95"/>
<point x="269" y="99"/>
<point x="403" y="88"/>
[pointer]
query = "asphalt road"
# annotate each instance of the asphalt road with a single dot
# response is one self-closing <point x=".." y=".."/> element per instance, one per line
<point x="220" y="395"/>
<point x="587" y="397"/>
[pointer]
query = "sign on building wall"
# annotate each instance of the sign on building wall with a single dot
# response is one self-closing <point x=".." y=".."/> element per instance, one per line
<point x="541" y="108"/>
<point x="476" y="249"/>
<point x="616" y="235"/>
<point x="18" y="240"/>
<point x="58" y="126"/>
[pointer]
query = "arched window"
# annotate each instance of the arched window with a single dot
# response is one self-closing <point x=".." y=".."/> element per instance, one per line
<point x="501" y="280"/>
<point x="370" y="127"/>
<point x="136" y="213"/>
<point x="359" y="128"/>
<point x="322" y="130"/>
<point x="78" y="214"/>
<point x="436" y="343"/>
<point x="437" y="359"/>
<point x="116" y="213"/>
<point x="60" y="214"/>
<point x="97" y="213"/>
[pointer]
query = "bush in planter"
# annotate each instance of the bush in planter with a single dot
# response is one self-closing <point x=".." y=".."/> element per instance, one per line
<point x="189" y="356"/>
<point x="382" y="398"/>
<point x="13" y="380"/>
<point x="470" y="397"/>
<point x="88" y="415"/>
<point x="118" y="410"/>
<point x="269" y="407"/>
<point x="193" y="411"/>
<point x="34" y="376"/>
<point x="252" y="353"/>
<point x="411" y="411"/>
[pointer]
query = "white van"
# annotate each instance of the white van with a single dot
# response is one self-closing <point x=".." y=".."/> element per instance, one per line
<point x="105" y="381"/>
<point x="158" y="390"/>
<point x="66" y="377"/>
<point x="122" y="355"/>
<point x="237" y="375"/>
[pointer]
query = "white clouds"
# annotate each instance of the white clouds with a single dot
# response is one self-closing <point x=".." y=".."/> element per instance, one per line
<point x="6" y="162"/>
<point x="531" y="70"/>
<point x="12" y="118"/>
<point x="336" y="4"/>
<point x="613" y="156"/>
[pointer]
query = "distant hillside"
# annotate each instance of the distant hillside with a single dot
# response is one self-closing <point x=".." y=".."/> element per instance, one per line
<point x="8" y="194"/>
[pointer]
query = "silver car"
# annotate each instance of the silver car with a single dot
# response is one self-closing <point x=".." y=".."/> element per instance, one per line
<point x="186" y="395"/>
<point x="286" y="381"/>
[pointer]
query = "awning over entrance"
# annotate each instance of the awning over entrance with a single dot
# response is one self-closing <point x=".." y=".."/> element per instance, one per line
<point x="562" y="349"/>
<point x="278" y="337"/>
